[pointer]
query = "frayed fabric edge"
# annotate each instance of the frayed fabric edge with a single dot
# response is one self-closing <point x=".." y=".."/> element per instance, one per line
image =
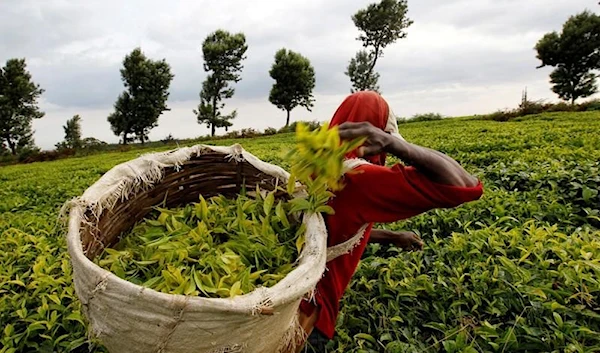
<point x="294" y="337"/>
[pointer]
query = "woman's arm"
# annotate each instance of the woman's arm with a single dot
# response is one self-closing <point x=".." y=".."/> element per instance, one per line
<point x="437" y="166"/>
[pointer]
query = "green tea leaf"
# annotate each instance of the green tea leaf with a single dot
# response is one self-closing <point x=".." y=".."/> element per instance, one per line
<point x="300" y="243"/>
<point x="558" y="319"/>
<point x="366" y="336"/>
<point x="268" y="204"/>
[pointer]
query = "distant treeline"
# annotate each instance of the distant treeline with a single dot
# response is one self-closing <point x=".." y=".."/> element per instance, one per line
<point x="574" y="53"/>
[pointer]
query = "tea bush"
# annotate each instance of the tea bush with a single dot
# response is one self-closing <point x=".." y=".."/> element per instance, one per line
<point x="516" y="271"/>
<point x="39" y="311"/>
<point x="312" y="125"/>
<point x="527" y="289"/>
<point x="528" y="107"/>
<point x="270" y="131"/>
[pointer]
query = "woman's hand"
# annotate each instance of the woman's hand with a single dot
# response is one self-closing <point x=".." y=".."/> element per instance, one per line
<point x="377" y="140"/>
<point x="408" y="241"/>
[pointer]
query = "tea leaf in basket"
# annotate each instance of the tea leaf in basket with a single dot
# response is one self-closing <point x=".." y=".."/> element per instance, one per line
<point x="220" y="247"/>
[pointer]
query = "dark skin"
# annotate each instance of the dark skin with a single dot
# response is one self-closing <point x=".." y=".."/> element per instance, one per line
<point x="435" y="165"/>
<point x="408" y="241"/>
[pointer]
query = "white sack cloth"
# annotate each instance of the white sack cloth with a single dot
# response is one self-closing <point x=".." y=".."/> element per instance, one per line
<point x="128" y="318"/>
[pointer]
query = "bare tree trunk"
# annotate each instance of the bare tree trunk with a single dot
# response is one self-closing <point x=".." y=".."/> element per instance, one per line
<point x="12" y="146"/>
<point x="373" y="63"/>
<point x="287" y="121"/>
<point x="214" y="112"/>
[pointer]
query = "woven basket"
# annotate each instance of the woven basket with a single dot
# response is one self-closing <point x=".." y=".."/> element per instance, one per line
<point x="129" y="318"/>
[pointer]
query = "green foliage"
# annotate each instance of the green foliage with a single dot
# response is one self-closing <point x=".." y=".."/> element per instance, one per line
<point x="215" y="248"/>
<point x="380" y="24"/>
<point x="310" y="125"/>
<point x="72" y="134"/>
<point x="223" y="55"/>
<point x="531" y="288"/>
<point x="39" y="311"/>
<point x="473" y="288"/>
<point x="531" y="107"/>
<point x="18" y="106"/>
<point x="294" y="82"/>
<point x="121" y="121"/>
<point x="270" y="131"/>
<point x="591" y="105"/>
<point x="541" y="179"/>
<point x="147" y="89"/>
<point x="571" y="86"/>
<point x="361" y="74"/>
<point x="91" y="143"/>
<point x="169" y="139"/>
<point x="222" y="248"/>
<point x="575" y="54"/>
<point x="317" y="162"/>
<point x="427" y="117"/>
<point x="528" y="107"/>
<point x="243" y="133"/>
<point x="35" y="155"/>
<point x="501" y="115"/>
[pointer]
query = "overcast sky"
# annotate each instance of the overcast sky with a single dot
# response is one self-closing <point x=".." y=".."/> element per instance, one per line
<point x="461" y="57"/>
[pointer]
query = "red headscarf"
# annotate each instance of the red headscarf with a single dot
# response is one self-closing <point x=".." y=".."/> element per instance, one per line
<point x="363" y="106"/>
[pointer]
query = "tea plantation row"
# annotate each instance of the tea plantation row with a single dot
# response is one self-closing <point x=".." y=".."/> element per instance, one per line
<point x="516" y="271"/>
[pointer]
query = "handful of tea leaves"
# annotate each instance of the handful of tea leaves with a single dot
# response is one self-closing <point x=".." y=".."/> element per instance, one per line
<point x="223" y="247"/>
<point x="317" y="162"/>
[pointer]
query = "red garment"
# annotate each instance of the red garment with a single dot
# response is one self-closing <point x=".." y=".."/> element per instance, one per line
<point x="360" y="107"/>
<point x="377" y="194"/>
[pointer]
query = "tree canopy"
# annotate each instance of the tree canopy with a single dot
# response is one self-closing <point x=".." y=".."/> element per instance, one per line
<point x="72" y="133"/>
<point x="361" y="74"/>
<point x="223" y="55"/>
<point x="18" y="105"/>
<point x="575" y="54"/>
<point x="138" y="108"/>
<point x="294" y="82"/>
<point x="380" y="24"/>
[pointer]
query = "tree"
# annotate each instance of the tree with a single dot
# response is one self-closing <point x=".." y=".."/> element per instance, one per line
<point x="121" y="121"/>
<point x="294" y="82"/>
<point x="361" y="75"/>
<point x="92" y="143"/>
<point x="72" y="133"/>
<point x="574" y="53"/>
<point x="138" y="108"/>
<point x="18" y="105"/>
<point x="380" y="24"/>
<point x="223" y="54"/>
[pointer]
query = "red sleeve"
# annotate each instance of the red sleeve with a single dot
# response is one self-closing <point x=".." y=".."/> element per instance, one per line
<point x="383" y="195"/>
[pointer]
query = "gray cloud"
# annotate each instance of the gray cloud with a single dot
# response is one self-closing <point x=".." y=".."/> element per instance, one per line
<point x="455" y="50"/>
<point x="500" y="16"/>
